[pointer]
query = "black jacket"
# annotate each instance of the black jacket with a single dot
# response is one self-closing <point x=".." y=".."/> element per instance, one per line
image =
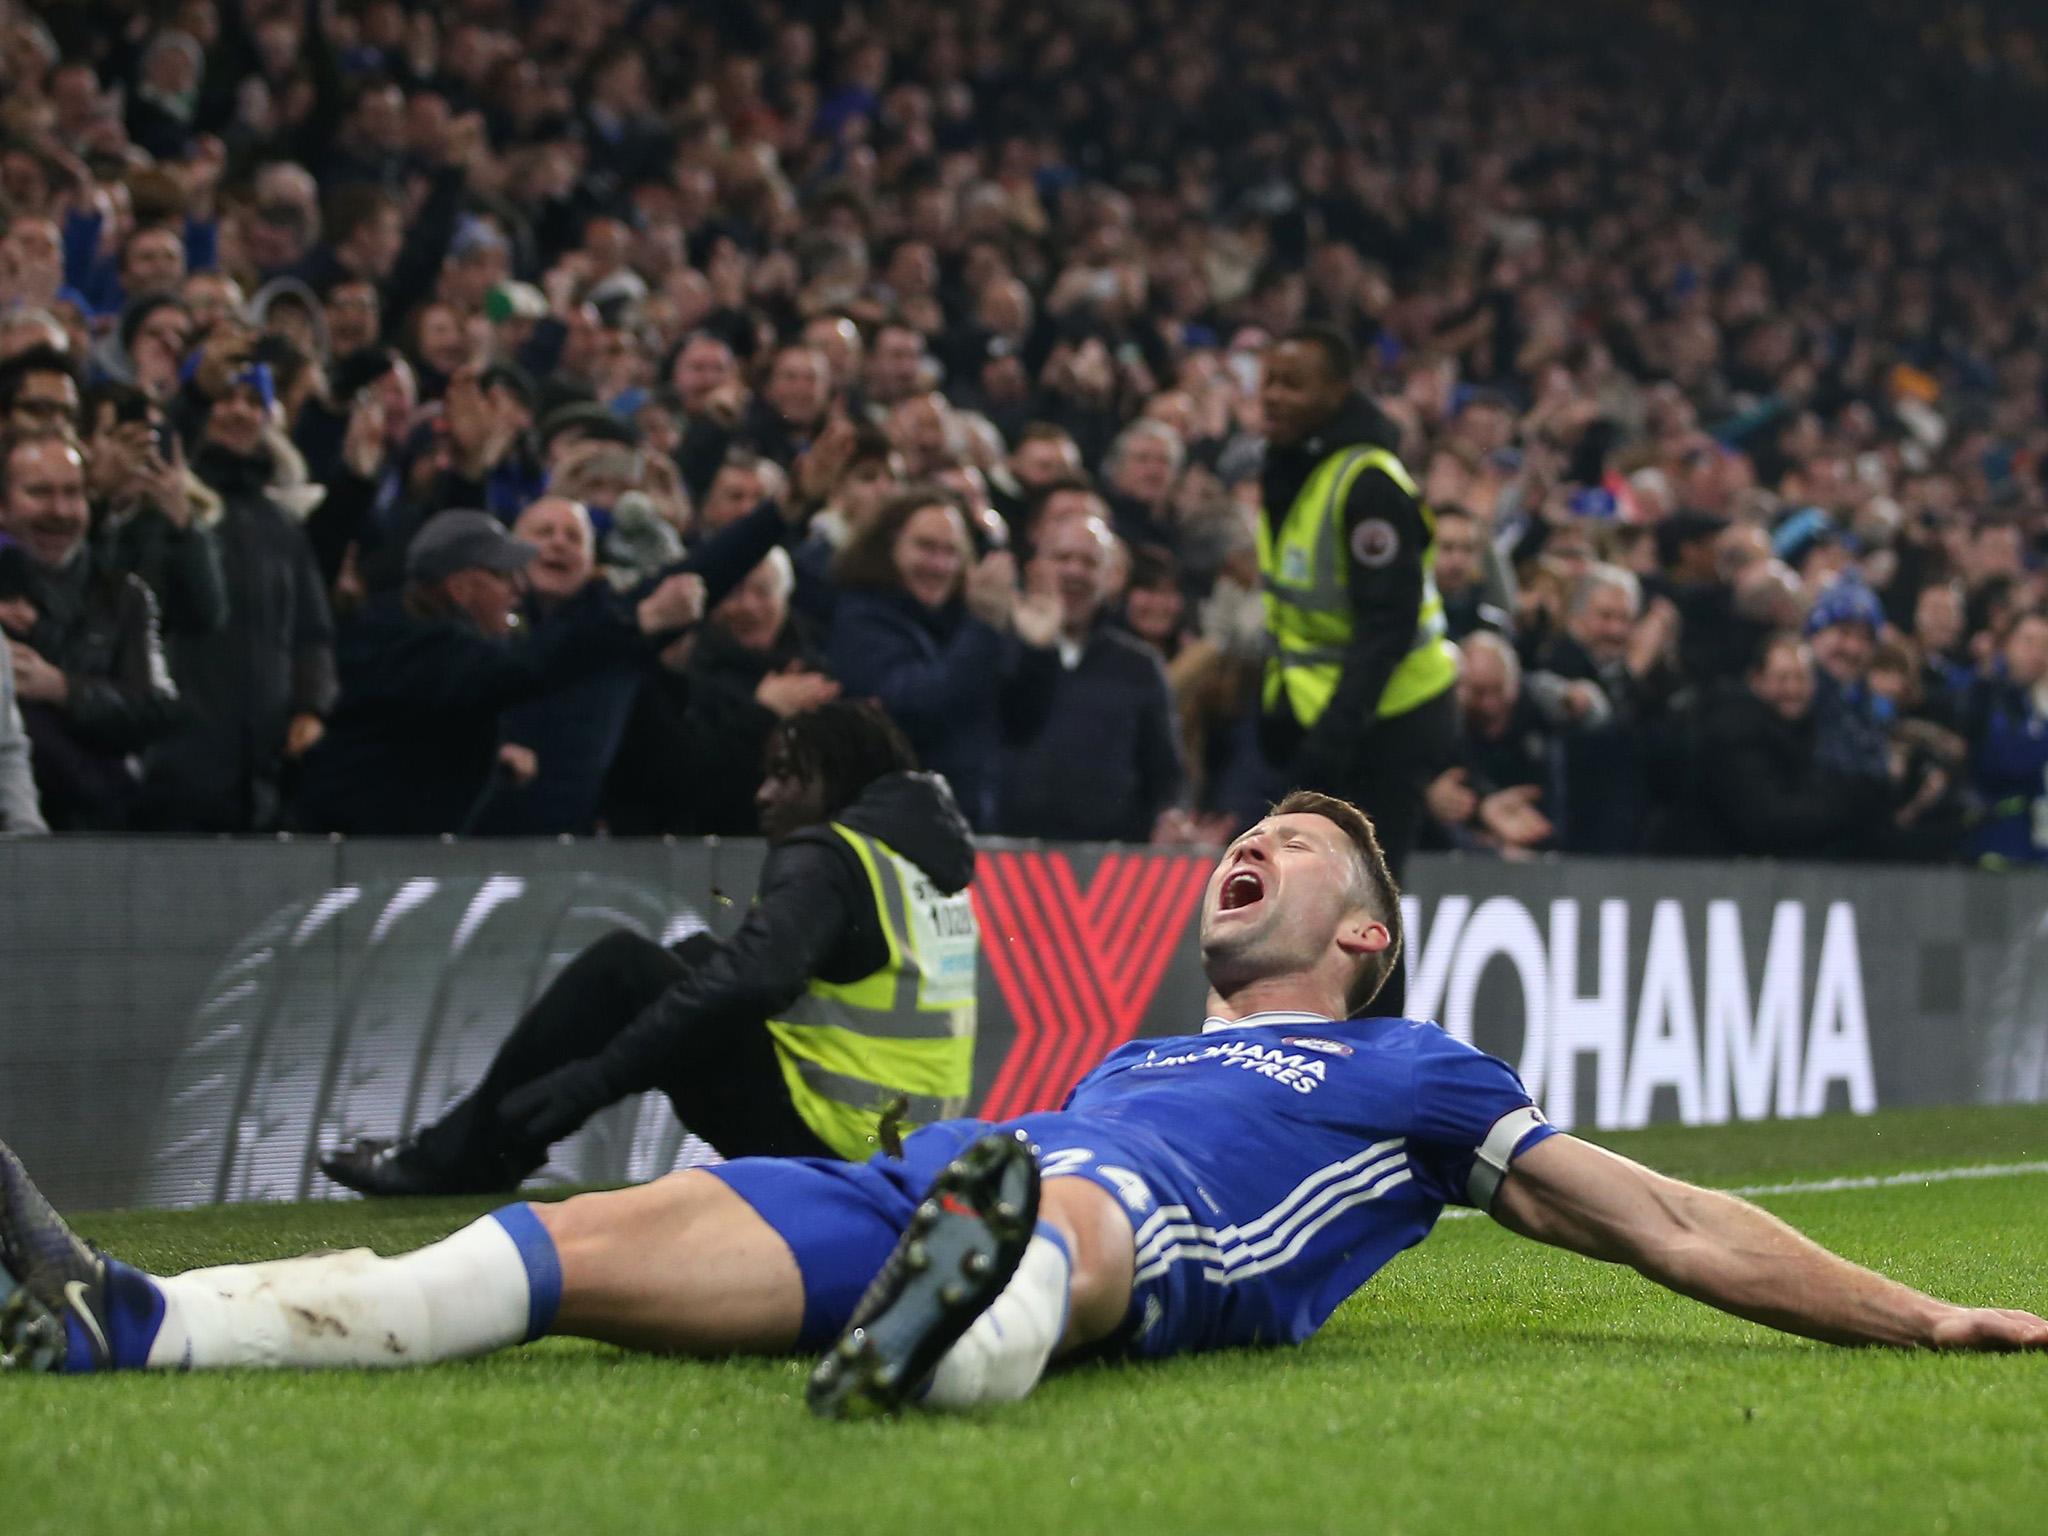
<point x="1106" y="760"/>
<point x="575" y="733"/>
<point x="274" y="659"/>
<point x="411" y="746"/>
<point x="100" y="628"/>
<point x="691" y="760"/>
<point x="814" y="915"/>
<point x="1384" y="575"/>
<point x="1759" y="790"/>
<point x="182" y="566"/>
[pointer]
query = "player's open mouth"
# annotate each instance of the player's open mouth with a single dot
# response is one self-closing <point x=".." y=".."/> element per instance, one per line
<point x="1241" y="889"/>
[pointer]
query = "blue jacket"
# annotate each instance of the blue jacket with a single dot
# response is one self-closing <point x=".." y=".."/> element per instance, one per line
<point x="956" y="687"/>
<point x="2009" y="757"/>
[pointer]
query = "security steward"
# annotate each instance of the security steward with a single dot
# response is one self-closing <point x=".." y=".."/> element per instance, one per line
<point x="840" y="1014"/>
<point x="1359" y="693"/>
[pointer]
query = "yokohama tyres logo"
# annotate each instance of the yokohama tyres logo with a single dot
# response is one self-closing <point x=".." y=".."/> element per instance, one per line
<point x="1077" y="968"/>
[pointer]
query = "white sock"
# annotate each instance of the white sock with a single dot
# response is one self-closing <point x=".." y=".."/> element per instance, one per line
<point x="494" y="1283"/>
<point x="1001" y="1356"/>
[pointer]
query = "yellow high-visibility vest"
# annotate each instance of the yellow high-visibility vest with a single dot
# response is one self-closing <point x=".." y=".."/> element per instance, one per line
<point x="1308" y="600"/>
<point x="903" y="1031"/>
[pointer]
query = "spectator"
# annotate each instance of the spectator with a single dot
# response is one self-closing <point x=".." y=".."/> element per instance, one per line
<point x="89" y="669"/>
<point x="1713" y="642"/>
<point x="1607" y="760"/>
<point x="1492" y="798"/>
<point x="161" y="110"/>
<point x="693" y="756"/>
<point x="32" y="265"/>
<point x="704" y="366"/>
<point x="151" y="516"/>
<point x="2009" y="757"/>
<point x="1143" y="467"/>
<point x="152" y="266"/>
<point x="777" y="425"/>
<point x="1762" y="790"/>
<point x="146" y="348"/>
<point x="259" y="687"/>
<point x="1043" y="456"/>
<point x="742" y="483"/>
<point x="427" y="674"/>
<point x="574" y="731"/>
<point x="1058" y="500"/>
<point x="353" y="313"/>
<point x="39" y="392"/>
<point x="1103" y="764"/>
<point x="1212" y="687"/>
<point x="1472" y="587"/>
<point x="1946" y="679"/>
<point x="949" y="649"/>
<point x="874" y="470"/>
<point x="1851" y="722"/>
<point x="368" y="237"/>
<point x="1860" y="735"/>
<point x="211" y="299"/>
<point x="895" y="367"/>
<point x="20" y="812"/>
<point x="926" y="433"/>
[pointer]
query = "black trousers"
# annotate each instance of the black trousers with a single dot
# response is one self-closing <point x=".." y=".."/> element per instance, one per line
<point x="725" y="1082"/>
<point x="1384" y="771"/>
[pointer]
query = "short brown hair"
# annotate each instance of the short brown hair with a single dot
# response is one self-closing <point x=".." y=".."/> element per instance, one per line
<point x="1382" y="897"/>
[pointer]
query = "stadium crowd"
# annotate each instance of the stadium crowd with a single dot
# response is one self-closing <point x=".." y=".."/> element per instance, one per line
<point x="915" y="350"/>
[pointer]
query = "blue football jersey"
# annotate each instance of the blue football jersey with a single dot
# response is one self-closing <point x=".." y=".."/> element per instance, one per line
<point x="1272" y="1166"/>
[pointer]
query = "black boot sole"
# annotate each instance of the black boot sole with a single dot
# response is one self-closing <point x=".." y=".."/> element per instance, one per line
<point x="963" y="1244"/>
<point x="393" y="1184"/>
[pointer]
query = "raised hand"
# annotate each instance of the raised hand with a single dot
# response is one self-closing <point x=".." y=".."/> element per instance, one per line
<point x="819" y="467"/>
<point x="520" y="762"/>
<point x="1511" y="815"/>
<point x="676" y="604"/>
<point x="1450" y="798"/>
<point x="1038" y="613"/>
<point x="991" y="589"/>
<point x="791" y="692"/>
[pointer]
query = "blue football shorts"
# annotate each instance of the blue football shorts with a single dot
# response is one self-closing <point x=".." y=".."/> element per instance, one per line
<point x="841" y="1220"/>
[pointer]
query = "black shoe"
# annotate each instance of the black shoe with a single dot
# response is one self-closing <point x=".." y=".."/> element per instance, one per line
<point x="46" y="1275"/>
<point x="382" y="1165"/>
<point x="964" y="1242"/>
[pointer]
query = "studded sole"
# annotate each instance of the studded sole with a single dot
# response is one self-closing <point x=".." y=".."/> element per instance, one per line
<point x="963" y="1243"/>
<point x="31" y="1336"/>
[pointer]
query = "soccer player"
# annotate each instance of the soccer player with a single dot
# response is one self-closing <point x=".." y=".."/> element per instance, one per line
<point x="1231" y="1187"/>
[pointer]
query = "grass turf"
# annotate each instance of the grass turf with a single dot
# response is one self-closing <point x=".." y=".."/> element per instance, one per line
<point x="1481" y="1382"/>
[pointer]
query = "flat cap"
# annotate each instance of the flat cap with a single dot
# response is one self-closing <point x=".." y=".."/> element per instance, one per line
<point x="464" y="541"/>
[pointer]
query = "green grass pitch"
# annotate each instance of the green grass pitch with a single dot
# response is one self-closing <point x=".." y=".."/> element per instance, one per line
<point x="1480" y="1384"/>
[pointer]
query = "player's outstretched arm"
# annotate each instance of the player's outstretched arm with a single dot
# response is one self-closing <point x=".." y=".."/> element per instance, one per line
<point x="1732" y="1255"/>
